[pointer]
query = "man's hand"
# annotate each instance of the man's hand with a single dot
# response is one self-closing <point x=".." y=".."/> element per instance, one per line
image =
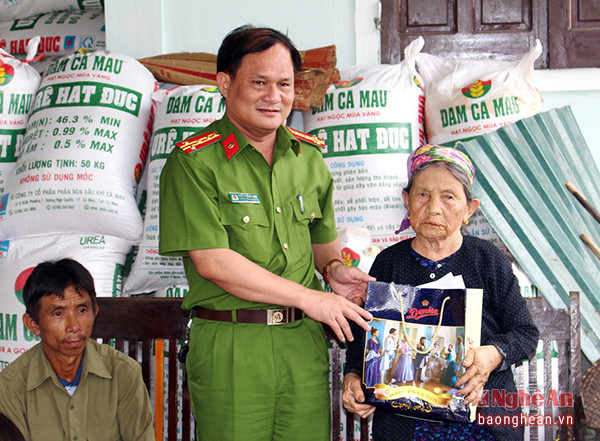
<point x="349" y="282"/>
<point x="480" y="362"/>
<point x="335" y="311"/>
<point x="252" y="282"/>
<point x="353" y="397"/>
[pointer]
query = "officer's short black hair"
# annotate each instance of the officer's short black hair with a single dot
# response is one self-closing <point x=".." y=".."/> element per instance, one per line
<point x="52" y="278"/>
<point x="248" y="39"/>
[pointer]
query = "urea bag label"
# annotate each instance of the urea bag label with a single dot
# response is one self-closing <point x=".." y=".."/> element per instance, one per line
<point x="84" y="150"/>
<point x="370" y="122"/>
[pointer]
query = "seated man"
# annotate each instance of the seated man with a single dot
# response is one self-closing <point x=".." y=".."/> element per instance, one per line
<point x="69" y="387"/>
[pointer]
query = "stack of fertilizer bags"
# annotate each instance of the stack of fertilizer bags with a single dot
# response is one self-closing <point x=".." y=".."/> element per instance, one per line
<point x="74" y="142"/>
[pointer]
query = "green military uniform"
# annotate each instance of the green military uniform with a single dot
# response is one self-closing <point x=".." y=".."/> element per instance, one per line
<point x="251" y="381"/>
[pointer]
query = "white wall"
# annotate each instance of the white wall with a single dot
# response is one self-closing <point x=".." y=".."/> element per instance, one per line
<point x="142" y="28"/>
<point x="199" y="26"/>
<point x="580" y="89"/>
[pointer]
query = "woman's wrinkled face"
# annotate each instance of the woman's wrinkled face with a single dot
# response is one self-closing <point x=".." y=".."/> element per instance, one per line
<point x="437" y="204"/>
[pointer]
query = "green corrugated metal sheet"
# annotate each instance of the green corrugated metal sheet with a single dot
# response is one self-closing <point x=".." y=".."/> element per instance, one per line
<point x="521" y="170"/>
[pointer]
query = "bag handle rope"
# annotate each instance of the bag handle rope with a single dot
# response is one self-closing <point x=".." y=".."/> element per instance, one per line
<point x="437" y="329"/>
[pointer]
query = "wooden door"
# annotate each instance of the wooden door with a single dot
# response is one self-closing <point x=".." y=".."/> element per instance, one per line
<point x="497" y="29"/>
<point x="574" y="35"/>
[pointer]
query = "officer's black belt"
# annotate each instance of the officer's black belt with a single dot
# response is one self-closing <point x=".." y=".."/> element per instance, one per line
<point x="279" y="316"/>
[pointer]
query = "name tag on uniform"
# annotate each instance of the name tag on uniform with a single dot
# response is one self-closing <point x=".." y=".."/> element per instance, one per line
<point x="244" y="198"/>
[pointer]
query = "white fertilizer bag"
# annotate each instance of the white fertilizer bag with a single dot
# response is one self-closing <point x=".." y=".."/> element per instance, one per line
<point x="61" y="33"/>
<point x="182" y="111"/>
<point x="84" y="150"/>
<point x="467" y="98"/>
<point x="18" y="84"/>
<point x="16" y="9"/>
<point x="370" y="123"/>
<point x="357" y="249"/>
<point x="103" y="256"/>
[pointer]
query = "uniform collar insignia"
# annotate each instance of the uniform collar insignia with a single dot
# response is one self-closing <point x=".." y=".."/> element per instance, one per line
<point x="197" y="142"/>
<point x="230" y="145"/>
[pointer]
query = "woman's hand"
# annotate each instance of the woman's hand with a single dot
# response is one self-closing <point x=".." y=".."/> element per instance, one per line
<point x="353" y="397"/>
<point x="480" y="362"/>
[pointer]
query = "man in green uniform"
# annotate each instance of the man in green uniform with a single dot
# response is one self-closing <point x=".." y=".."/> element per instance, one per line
<point x="247" y="203"/>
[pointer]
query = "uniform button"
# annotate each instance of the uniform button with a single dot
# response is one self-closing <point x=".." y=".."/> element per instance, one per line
<point x="312" y="215"/>
<point x="75" y="438"/>
<point x="286" y="246"/>
<point x="432" y="276"/>
<point x="246" y="219"/>
<point x="71" y="407"/>
<point x="278" y="209"/>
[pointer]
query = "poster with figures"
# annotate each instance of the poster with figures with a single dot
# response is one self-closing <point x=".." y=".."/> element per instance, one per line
<point x="413" y="351"/>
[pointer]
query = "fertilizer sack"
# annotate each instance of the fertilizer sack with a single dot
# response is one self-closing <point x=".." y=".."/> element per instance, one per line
<point x="467" y="98"/>
<point x="370" y="122"/>
<point x="182" y="111"/>
<point x="84" y="150"/>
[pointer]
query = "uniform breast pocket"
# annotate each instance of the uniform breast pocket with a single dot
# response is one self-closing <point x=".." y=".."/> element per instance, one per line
<point x="249" y="230"/>
<point x="306" y="211"/>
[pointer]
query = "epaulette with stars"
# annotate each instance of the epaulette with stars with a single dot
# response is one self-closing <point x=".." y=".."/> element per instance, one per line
<point x="311" y="139"/>
<point x="190" y="145"/>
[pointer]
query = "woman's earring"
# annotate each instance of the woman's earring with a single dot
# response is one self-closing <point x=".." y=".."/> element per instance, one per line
<point x="466" y="222"/>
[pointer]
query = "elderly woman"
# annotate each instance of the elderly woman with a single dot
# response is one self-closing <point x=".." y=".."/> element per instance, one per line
<point x="439" y="202"/>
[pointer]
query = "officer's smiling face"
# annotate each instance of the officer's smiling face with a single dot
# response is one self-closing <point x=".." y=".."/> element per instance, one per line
<point x="260" y="96"/>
